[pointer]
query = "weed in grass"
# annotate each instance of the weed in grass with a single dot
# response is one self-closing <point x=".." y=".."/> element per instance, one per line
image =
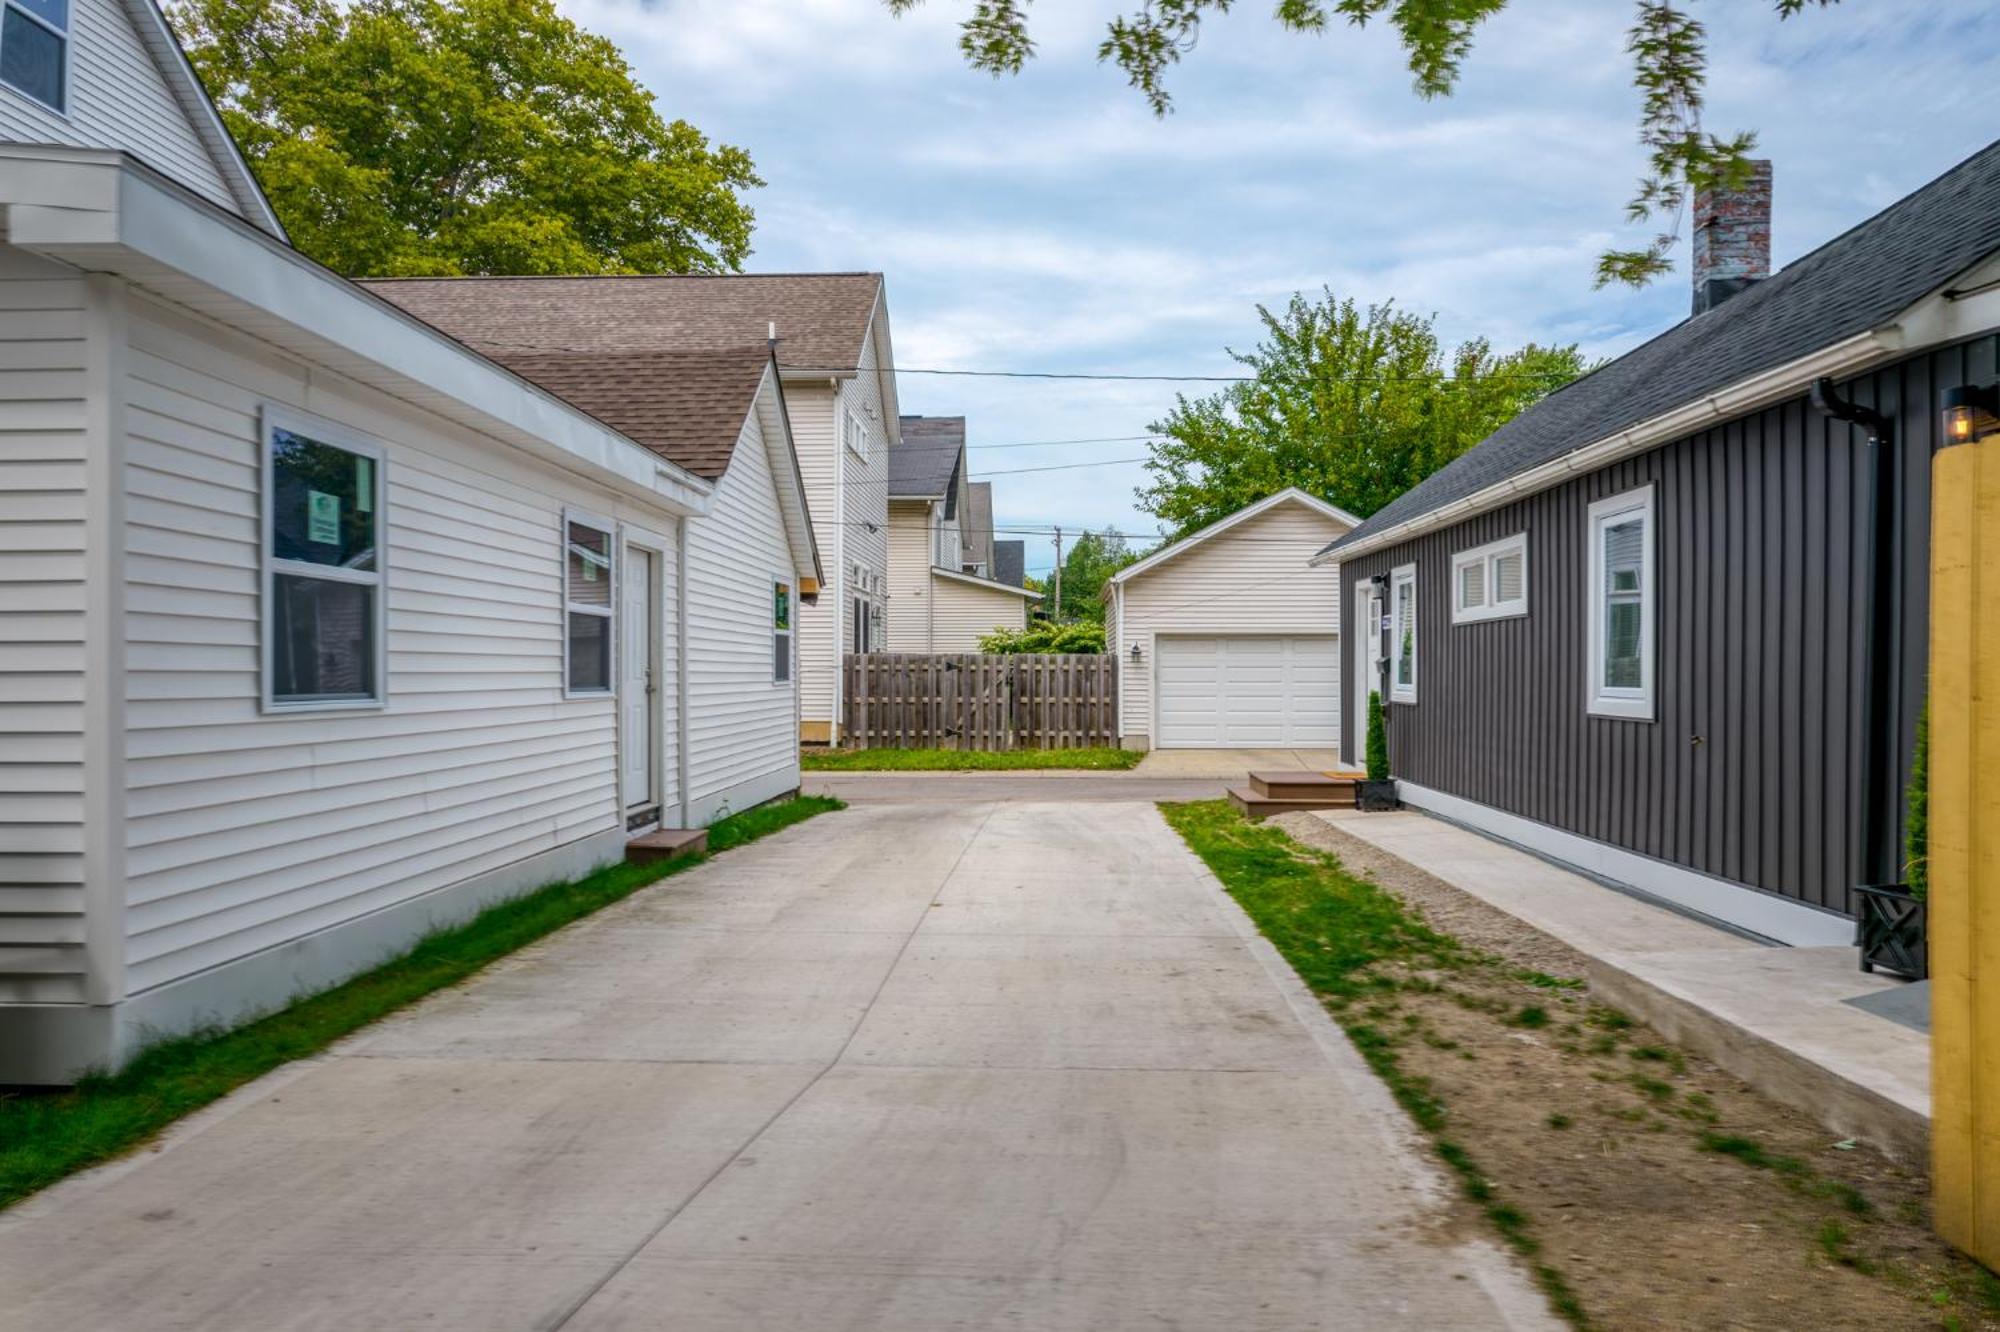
<point x="1558" y="1120"/>
<point x="1543" y="981"/>
<point x="45" y="1137"/>
<point x="1751" y="1153"/>
<point x="1604" y="1045"/>
<point x="1609" y="1019"/>
<point x="1533" y="1016"/>
<point x="1834" y="1243"/>
<point x="1653" y="1087"/>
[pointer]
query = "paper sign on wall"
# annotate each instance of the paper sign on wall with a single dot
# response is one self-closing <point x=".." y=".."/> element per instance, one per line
<point x="322" y="518"/>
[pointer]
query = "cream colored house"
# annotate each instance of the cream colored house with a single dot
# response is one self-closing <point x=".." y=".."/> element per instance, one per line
<point x="941" y="546"/>
<point x="1226" y="638"/>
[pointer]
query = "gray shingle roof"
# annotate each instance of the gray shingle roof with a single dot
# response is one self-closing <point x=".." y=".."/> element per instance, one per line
<point x="1856" y="282"/>
<point x="976" y="527"/>
<point x="1010" y="562"/>
<point x="924" y="464"/>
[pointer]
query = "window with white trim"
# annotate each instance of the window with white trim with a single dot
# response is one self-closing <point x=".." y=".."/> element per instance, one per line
<point x="1490" y="582"/>
<point x="864" y="626"/>
<point x="854" y="433"/>
<point x="1622" y="610"/>
<point x="322" y="611"/>
<point x="1403" y="628"/>
<point x="587" y="605"/>
<point x="781" y="631"/>
<point x="34" y="50"/>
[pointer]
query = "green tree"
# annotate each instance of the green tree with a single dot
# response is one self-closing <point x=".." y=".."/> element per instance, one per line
<point x="1087" y="566"/>
<point x="1667" y="45"/>
<point x="406" y="137"/>
<point x="1047" y="636"/>
<point x="1352" y="405"/>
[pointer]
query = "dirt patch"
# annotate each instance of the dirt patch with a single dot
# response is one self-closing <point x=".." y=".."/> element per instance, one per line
<point x="1666" y="1192"/>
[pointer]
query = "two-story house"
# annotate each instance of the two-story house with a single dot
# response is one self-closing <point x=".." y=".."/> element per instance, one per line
<point x="941" y="546"/>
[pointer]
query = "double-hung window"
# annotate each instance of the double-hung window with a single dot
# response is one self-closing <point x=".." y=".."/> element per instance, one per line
<point x="1490" y="582"/>
<point x="1403" y="627"/>
<point x="854" y="433"/>
<point x="781" y="631"/>
<point x="1621" y="608"/>
<point x="864" y="626"/>
<point x="587" y="605"/>
<point x="34" y="50"/>
<point x="322" y="614"/>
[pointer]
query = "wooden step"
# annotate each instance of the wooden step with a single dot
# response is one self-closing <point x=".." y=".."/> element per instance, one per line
<point x="1263" y="806"/>
<point x="666" y="844"/>
<point x="1297" y="785"/>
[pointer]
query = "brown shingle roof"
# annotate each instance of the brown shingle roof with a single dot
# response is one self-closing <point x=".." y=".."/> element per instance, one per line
<point x="822" y="318"/>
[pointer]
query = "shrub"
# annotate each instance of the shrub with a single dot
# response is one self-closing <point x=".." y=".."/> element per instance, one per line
<point x="1047" y="636"/>
<point x="1378" y="739"/>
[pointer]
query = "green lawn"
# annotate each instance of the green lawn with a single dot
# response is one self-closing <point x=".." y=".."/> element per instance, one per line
<point x="967" y="760"/>
<point x="45" y="1136"/>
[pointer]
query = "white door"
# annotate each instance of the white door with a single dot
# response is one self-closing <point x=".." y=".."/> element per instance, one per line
<point x="1367" y="659"/>
<point x="1249" y="692"/>
<point x="638" y="698"/>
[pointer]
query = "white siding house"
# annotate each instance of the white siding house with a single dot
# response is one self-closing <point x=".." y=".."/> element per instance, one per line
<point x="1224" y="636"/>
<point x="940" y="603"/>
<point x="318" y="630"/>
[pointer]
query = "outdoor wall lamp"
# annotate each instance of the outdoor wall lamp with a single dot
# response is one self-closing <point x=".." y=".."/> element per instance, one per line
<point x="1135" y="654"/>
<point x="1970" y="412"/>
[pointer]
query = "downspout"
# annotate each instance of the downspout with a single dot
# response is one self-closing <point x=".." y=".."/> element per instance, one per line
<point x="1878" y="716"/>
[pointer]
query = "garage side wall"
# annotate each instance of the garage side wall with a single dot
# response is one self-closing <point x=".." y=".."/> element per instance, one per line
<point x="964" y="614"/>
<point x="1252" y="579"/>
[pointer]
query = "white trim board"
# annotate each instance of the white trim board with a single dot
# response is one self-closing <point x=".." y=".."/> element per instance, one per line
<point x="1175" y="549"/>
<point x="1737" y="905"/>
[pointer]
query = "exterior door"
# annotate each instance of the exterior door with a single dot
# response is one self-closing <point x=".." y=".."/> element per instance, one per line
<point x="638" y="693"/>
<point x="1367" y="657"/>
<point x="1254" y="691"/>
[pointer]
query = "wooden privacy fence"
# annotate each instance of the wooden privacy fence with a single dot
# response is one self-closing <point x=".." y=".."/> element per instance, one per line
<point x="918" y="700"/>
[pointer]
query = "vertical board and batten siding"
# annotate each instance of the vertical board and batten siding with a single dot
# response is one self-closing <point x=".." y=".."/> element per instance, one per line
<point x="44" y="543"/>
<point x="117" y="100"/>
<point x="1253" y="578"/>
<point x="909" y="558"/>
<point x="961" y="614"/>
<point x="743" y="736"/>
<point x="246" y="830"/>
<point x="1761" y="622"/>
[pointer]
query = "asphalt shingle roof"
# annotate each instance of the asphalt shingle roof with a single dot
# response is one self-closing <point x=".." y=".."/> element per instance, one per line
<point x="924" y="464"/>
<point x="1010" y="562"/>
<point x="1856" y="282"/>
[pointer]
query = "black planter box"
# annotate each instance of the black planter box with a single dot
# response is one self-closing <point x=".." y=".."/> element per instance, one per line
<point x="1891" y="929"/>
<point x="1376" y="796"/>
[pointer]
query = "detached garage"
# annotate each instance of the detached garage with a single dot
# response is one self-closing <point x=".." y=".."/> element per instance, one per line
<point x="1228" y="639"/>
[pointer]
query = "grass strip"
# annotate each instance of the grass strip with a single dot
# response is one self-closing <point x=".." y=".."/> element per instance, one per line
<point x="45" y="1136"/>
<point x="966" y="760"/>
<point x="1337" y="930"/>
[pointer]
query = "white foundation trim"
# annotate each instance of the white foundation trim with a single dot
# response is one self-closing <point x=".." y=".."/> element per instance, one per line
<point x="1735" y="904"/>
<point x="744" y="795"/>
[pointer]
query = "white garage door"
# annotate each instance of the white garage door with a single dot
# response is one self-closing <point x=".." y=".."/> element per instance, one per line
<point x="1251" y="692"/>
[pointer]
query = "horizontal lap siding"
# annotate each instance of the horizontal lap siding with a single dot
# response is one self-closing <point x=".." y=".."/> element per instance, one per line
<point x="43" y="541"/>
<point x="910" y="541"/>
<point x="1761" y="623"/>
<point x="965" y="614"/>
<point x="117" y="100"/>
<point x="742" y="724"/>
<point x="820" y="640"/>
<point x="1251" y="579"/>
<point x="247" y="830"/>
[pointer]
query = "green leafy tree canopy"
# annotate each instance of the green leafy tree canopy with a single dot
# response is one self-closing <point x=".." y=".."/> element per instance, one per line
<point x="415" y="137"/>
<point x="1668" y="48"/>
<point x="1047" y="636"/>
<point x="1087" y="566"/>
<point x="1352" y="405"/>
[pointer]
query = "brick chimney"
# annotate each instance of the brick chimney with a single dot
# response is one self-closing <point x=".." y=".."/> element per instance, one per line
<point x="1732" y="238"/>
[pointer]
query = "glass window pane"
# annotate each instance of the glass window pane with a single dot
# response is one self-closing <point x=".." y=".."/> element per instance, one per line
<point x="1507" y="581"/>
<point x="781" y="606"/>
<point x="589" y="652"/>
<point x="1625" y="552"/>
<point x="1472" y="586"/>
<point x="1622" y="624"/>
<point x="1406" y="632"/>
<point x="781" y="657"/>
<point x="587" y="560"/>
<point x="322" y="639"/>
<point x="323" y="503"/>
<point x="55" y="13"/>
<point x="31" y="58"/>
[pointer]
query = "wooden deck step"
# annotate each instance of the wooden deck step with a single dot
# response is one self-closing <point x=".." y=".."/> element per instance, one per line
<point x="1263" y="807"/>
<point x="666" y="844"/>
<point x="1334" y="788"/>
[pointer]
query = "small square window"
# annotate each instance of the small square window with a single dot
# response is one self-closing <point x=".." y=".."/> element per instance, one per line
<point x="1490" y="582"/>
<point x="34" y="50"/>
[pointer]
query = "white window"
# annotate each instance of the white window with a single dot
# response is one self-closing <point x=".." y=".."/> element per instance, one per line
<point x="587" y="605"/>
<point x="1403" y="625"/>
<point x="781" y="631"/>
<point x="1621" y="605"/>
<point x="855" y="433"/>
<point x="34" y="50"/>
<point x="322" y="607"/>
<point x="864" y="626"/>
<point x="1490" y="582"/>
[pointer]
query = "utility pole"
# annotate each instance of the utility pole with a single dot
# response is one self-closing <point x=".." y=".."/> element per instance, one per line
<point x="1057" y="615"/>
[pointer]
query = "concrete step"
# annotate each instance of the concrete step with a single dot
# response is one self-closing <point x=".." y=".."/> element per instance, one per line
<point x="1296" y="785"/>
<point x="1263" y="806"/>
<point x="666" y="844"/>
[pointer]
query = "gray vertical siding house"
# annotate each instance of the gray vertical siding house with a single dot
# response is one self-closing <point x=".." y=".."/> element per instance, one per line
<point x="1632" y="629"/>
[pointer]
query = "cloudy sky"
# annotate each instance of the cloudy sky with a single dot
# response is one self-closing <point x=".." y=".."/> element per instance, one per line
<point x="1049" y="222"/>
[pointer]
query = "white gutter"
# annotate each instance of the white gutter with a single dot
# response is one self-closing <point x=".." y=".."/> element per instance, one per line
<point x="1847" y="357"/>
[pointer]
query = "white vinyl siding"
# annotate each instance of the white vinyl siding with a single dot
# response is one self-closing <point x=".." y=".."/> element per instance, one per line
<point x="1490" y="582"/>
<point x="247" y="830"/>
<point x="117" y="99"/>
<point x="1403" y="643"/>
<point x="1251" y="579"/>
<point x="742" y="725"/>
<point x="45" y="539"/>
<point x="962" y="614"/>
<point x="909" y="560"/>
<point x="1621" y="606"/>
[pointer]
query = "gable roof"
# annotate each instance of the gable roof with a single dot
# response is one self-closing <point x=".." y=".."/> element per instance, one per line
<point x="1855" y="283"/>
<point x="823" y="319"/>
<point x="1174" y="550"/>
<point x="1010" y="562"/>
<point x="925" y="464"/>
<point x="974" y="580"/>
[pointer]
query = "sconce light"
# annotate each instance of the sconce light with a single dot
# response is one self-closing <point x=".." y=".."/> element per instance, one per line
<point x="1970" y="412"/>
<point x="1135" y="654"/>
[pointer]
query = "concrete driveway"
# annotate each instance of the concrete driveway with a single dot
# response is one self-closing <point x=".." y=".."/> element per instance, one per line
<point x="912" y="1066"/>
<point x="1232" y="764"/>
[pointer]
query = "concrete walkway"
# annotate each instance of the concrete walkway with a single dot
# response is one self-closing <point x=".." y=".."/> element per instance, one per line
<point x="913" y="1066"/>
